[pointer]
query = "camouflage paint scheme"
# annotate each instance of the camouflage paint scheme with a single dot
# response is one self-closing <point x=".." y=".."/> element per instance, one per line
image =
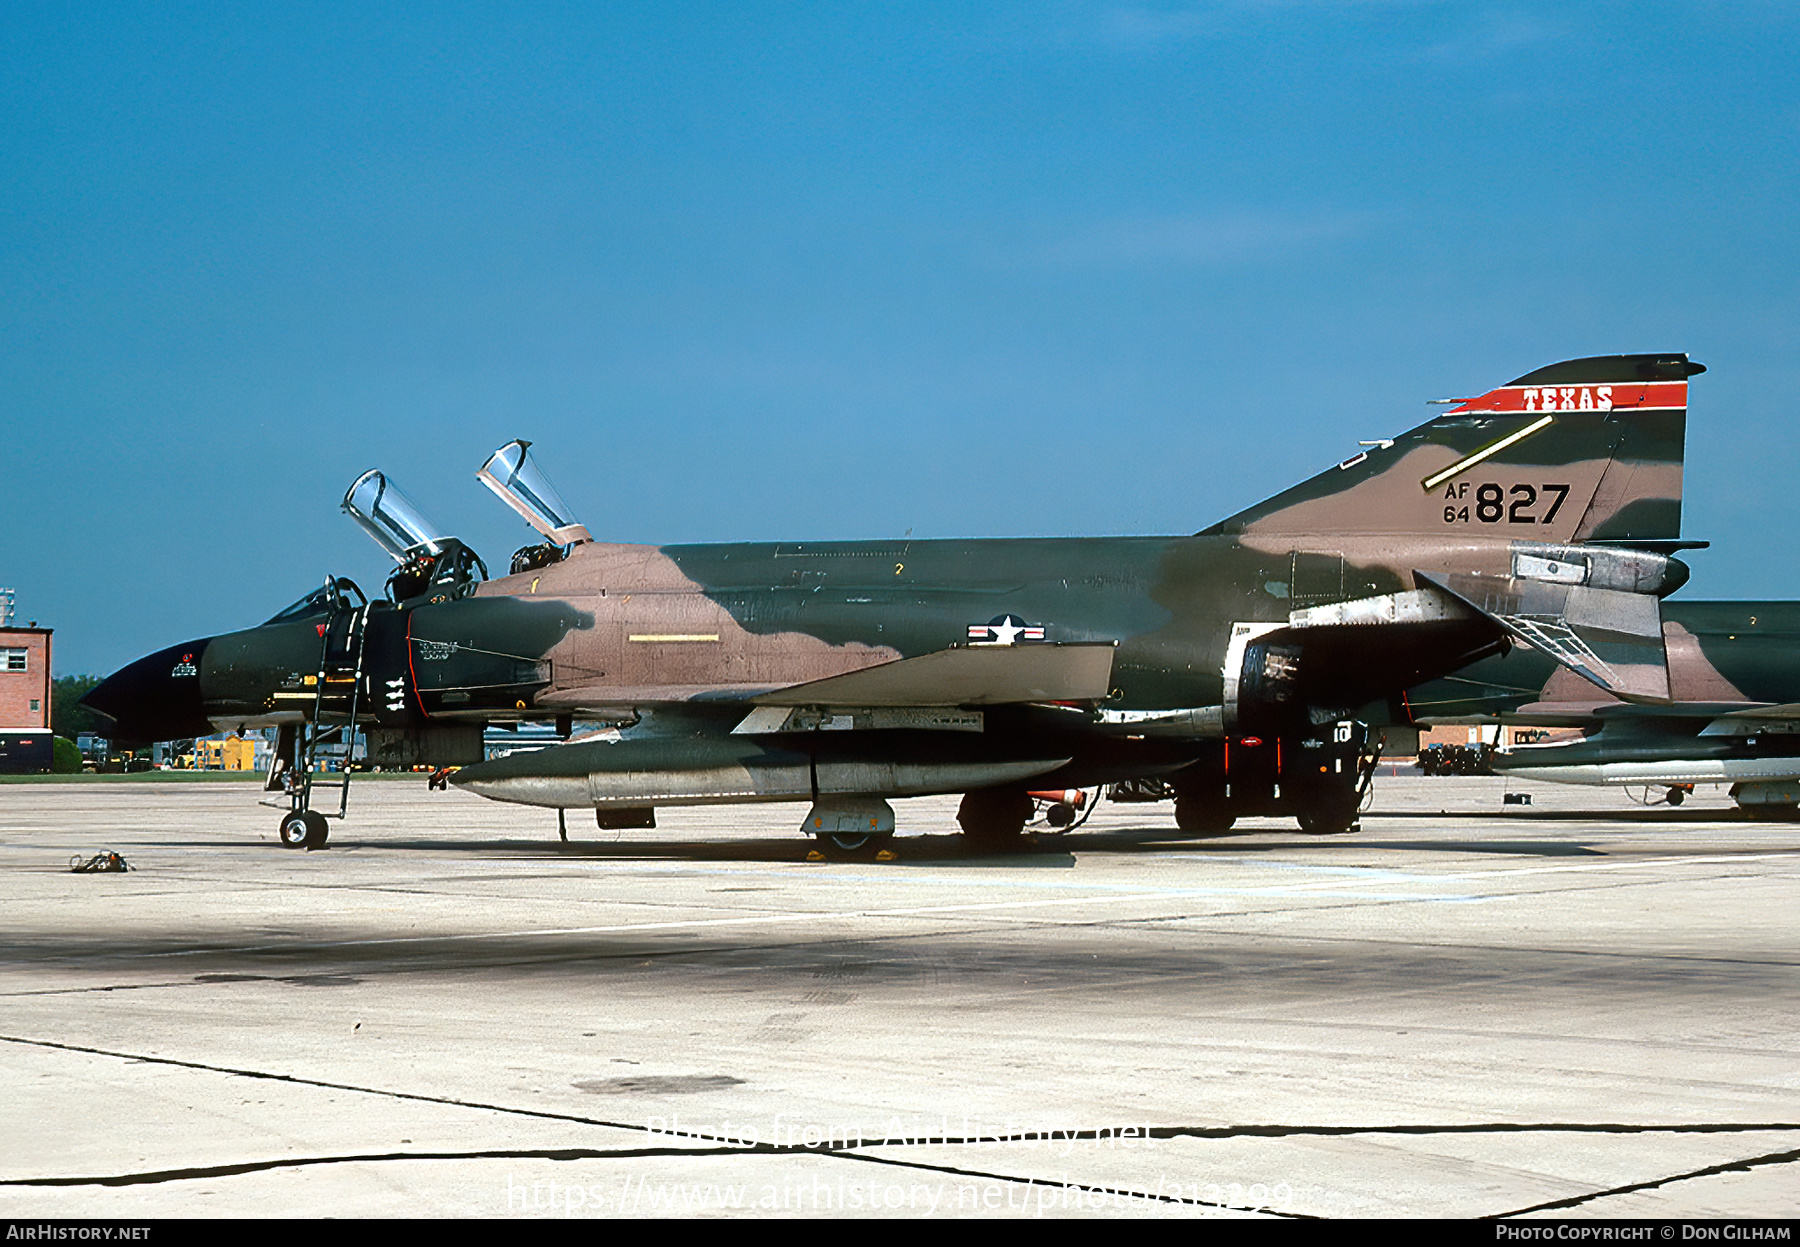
<point x="1734" y="675"/>
<point x="1396" y="566"/>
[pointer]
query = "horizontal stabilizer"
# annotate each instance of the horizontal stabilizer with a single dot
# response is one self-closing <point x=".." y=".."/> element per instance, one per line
<point x="1609" y="637"/>
<point x="976" y="675"/>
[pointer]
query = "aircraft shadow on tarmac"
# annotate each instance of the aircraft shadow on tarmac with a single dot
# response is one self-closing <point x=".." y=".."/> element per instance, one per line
<point x="1653" y="815"/>
<point x="825" y="968"/>
<point x="1058" y="852"/>
<point x="836" y="961"/>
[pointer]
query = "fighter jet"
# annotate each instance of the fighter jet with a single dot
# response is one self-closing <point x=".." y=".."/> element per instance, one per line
<point x="1733" y="718"/>
<point x="845" y="674"/>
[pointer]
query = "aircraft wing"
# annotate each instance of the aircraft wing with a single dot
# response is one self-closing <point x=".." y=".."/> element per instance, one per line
<point x="1610" y="637"/>
<point x="974" y="675"/>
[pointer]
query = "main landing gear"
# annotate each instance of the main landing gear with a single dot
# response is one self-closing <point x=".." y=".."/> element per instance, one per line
<point x="1329" y="816"/>
<point x="994" y="818"/>
<point x="1320" y="778"/>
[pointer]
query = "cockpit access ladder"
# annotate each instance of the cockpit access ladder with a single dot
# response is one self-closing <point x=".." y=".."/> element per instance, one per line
<point x="324" y="746"/>
<point x="329" y="750"/>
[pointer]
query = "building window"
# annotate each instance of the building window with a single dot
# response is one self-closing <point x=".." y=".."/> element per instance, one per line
<point x="14" y="659"/>
<point x="36" y="705"/>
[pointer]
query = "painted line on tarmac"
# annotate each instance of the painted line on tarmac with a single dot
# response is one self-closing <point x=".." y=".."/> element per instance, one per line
<point x="972" y="908"/>
<point x="1589" y="867"/>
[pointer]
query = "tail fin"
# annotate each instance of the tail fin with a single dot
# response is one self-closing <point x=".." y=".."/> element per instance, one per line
<point x="1584" y="450"/>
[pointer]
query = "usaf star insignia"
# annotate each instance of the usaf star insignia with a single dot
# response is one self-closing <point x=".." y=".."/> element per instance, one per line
<point x="1005" y="630"/>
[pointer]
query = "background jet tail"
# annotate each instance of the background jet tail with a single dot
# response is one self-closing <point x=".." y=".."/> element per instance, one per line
<point x="1585" y="450"/>
<point x="1610" y="637"/>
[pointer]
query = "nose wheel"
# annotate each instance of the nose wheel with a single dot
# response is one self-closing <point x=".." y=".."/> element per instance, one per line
<point x="304" y="829"/>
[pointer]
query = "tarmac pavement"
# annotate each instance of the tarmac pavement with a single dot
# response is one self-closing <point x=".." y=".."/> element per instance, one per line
<point x="1580" y="1007"/>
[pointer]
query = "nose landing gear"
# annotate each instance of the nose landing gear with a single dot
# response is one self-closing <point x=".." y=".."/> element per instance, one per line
<point x="310" y="754"/>
<point x="304" y="829"/>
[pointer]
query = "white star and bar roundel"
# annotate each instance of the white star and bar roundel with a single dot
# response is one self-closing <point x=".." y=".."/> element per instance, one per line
<point x="1005" y="630"/>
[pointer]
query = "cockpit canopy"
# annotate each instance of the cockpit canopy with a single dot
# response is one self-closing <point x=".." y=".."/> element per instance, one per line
<point x="382" y="510"/>
<point x="511" y="473"/>
<point x="321" y="601"/>
<point x="337" y="593"/>
<point x="433" y="566"/>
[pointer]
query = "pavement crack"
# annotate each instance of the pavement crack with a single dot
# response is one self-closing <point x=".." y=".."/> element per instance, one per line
<point x="298" y="1080"/>
<point x="565" y="1154"/>
<point x="1730" y="1166"/>
<point x="1504" y="1127"/>
<point x="154" y="1176"/>
<point x="1116" y="1192"/>
<point x="1249" y="1130"/>
<point x="703" y="1144"/>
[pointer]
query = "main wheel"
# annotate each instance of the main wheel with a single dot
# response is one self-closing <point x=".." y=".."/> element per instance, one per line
<point x="1203" y="818"/>
<point x="995" y="818"/>
<point x="1327" y="818"/>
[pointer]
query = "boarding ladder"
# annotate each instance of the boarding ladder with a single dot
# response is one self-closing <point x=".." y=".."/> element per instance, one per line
<point x="325" y="744"/>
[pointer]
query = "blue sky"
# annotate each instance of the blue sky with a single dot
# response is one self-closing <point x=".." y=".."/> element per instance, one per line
<point x="809" y="271"/>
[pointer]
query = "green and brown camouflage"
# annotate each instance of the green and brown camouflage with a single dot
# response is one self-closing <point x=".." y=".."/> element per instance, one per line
<point x="1733" y="717"/>
<point x="1545" y="510"/>
<point x="1720" y="653"/>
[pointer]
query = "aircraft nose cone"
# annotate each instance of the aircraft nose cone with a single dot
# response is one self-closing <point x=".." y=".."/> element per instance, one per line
<point x="157" y="697"/>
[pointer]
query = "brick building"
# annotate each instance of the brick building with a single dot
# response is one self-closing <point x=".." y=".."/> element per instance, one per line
<point x="25" y="742"/>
